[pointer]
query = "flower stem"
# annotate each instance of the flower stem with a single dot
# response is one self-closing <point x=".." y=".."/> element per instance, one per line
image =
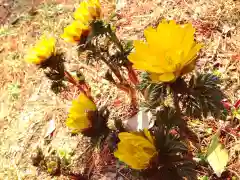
<point x="83" y="87"/>
<point x="185" y="131"/>
<point x="112" y="68"/>
<point x="131" y="91"/>
<point x="123" y="82"/>
<point x="132" y="75"/>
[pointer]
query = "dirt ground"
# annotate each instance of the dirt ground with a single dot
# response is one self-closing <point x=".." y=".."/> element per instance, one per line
<point x="27" y="104"/>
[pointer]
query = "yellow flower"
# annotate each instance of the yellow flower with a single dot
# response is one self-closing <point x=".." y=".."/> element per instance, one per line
<point x="88" y="11"/>
<point x="136" y="149"/>
<point x="74" y="32"/>
<point x="170" y="51"/>
<point x="78" y="114"/>
<point x="43" y="50"/>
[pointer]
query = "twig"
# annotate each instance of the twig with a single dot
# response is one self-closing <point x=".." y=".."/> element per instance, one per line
<point x="90" y="169"/>
<point x="17" y="171"/>
<point x="85" y="150"/>
<point x="176" y="103"/>
<point x="123" y="175"/>
<point x="234" y="172"/>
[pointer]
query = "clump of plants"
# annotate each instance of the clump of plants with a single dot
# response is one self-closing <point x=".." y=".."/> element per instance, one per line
<point x="167" y="75"/>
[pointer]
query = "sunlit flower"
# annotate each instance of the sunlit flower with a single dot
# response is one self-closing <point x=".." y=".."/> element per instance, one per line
<point x="75" y="31"/>
<point x="42" y="51"/>
<point x="88" y="11"/>
<point x="170" y="51"/>
<point x="136" y="149"/>
<point x="78" y="118"/>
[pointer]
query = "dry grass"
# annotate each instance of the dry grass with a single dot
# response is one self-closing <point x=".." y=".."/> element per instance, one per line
<point x="27" y="104"/>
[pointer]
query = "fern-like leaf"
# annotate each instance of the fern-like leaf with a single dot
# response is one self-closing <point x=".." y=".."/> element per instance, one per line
<point x="167" y="117"/>
<point x="173" y="159"/>
<point x="54" y="67"/>
<point x="203" y="97"/>
<point x="99" y="129"/>
<point x="57" y="86"/>
<point x="145" y="81"/>
<point x="155" y="95"/>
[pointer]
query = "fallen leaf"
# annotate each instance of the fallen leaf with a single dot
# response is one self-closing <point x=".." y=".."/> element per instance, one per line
<point x="226" y="28"/>
<point x="140" y="121"/>
<point x="217" y="156"/>
<point x="51" y="128"/>
<point x="236" y="57"/>
<point x="117" y="102"/>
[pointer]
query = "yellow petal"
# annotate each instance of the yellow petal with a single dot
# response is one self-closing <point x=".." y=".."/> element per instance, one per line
<point x="78" y="114"/>
<point x="44" y="48"/>
<point x="69" y="38"/>
<point x="83" y="16"/>
<point x="87" y="102"/>
<point x="168" y="51"/>
<point x="143" y="58"/>
<point x="135" y="150"/>
<point x="87" y="11"/>
<point x="192" y="54"/>
<point x="154" y="77"/>
<point x="32" y="59"/>
<point x="148" y="135"/>
<point x="79" y="123"/>
<point x="167" y="77"/>
<point x="74" y="31"/>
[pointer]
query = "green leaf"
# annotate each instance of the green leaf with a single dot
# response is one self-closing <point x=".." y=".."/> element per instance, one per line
<point x="234" y="178"/>
<point x="209" y="131"/>
<point x="145" y="81"/>
<point x="14" y="90"/>
<point x="155" y="95"/>
<point x="204" y="96"/>
<point x="204" y="178"/>
<point x="217" y="156"/>
<point x="128" y="45"/>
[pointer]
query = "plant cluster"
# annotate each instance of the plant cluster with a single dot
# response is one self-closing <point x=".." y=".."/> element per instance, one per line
<point x="173" y="88"/>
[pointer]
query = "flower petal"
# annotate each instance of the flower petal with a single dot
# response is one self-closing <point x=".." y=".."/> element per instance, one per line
<point x="78" y="118"/>
<point x="167" y="77"/>
<point x="44" y="48"/>
<point x="135" y="149"/>
<point x="168" y="50"/>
